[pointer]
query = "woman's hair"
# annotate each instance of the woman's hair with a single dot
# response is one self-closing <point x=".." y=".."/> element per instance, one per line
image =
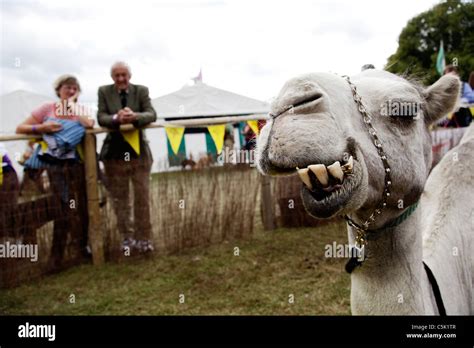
<point x="471" y="79"/>
<point x="66" y="80"/>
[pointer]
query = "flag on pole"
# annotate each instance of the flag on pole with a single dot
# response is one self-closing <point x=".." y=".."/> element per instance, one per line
<point x="440" y="61"/>
<point x="198" y="78"/>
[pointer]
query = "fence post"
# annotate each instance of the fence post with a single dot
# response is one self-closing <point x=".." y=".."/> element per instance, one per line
<point x="95" y="230"/>
<point x="268" y="208"/>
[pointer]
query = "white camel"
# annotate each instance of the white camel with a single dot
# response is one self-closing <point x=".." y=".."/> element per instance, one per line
<point x="358" y="161"/>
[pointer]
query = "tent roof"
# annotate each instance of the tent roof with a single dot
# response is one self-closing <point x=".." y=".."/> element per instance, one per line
<point x="17" y="106"/>
<point x="201" y="100"/>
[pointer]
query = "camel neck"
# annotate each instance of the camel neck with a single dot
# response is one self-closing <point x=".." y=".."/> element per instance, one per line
<point x="392" y="279"/>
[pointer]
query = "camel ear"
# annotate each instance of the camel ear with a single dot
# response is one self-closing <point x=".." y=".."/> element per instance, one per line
<point x="441" y="97"/>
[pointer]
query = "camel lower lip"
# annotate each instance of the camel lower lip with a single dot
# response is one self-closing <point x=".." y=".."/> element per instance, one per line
<point x="326" y="207"/>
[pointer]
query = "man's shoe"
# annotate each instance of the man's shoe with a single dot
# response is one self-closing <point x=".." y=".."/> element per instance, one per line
<point x="128" y="244"/>
<point x="144" y="246"/>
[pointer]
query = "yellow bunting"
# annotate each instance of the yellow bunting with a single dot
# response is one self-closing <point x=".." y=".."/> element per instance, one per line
<point x="80" y="151"/>
<point x="133" y="138"/>
<point x="217" y="133"/>
<point x="254" y="126"/>
<point x="44" y="145"/>
<point x="175" y="135"/>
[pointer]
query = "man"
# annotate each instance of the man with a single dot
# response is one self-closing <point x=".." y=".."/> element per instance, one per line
<point x="119" y="104"/>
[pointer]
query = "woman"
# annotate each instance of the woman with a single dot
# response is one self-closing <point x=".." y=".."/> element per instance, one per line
<point x="65" y="171"/>
<point x="9" y="190"/>
<point x="463" y="116"/>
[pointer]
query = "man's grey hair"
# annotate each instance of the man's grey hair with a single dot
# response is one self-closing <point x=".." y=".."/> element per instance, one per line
<point x="367" y="67"/>
<point x="120" y="64"/>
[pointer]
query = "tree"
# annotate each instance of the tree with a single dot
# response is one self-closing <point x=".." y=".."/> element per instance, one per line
<point x="418" y="44"/>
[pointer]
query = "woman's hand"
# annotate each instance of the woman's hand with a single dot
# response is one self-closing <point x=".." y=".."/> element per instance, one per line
<point x="31" y="126"/>
<point x="86" y="121"/>
<point x="49" y="127"/>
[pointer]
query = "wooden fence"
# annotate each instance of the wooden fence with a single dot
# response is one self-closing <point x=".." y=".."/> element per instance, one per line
<point x="97" y="234"/>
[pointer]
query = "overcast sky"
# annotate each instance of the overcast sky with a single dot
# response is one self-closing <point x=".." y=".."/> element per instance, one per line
<point x="248" y="47"/>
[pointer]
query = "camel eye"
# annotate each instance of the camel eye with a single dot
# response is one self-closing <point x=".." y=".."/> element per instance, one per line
<point x="408" y="110"/>
<point x="398" y="109"/>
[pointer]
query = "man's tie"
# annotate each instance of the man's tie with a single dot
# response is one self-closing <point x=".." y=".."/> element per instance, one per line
<point x="123" y="98"/>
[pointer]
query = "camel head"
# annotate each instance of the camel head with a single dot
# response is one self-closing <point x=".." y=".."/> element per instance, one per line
<point x="316" y="126"/>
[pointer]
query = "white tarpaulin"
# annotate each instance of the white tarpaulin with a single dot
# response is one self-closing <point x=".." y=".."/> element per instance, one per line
<point x="15" y="107"/>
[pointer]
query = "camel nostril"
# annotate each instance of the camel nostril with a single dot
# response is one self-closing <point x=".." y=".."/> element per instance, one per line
<point x="290" y="102"/>
<point x="307" y="99"/>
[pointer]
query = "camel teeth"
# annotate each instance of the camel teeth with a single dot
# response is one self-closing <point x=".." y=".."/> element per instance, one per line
<point x="347" y="168"/>
<point x="336" y="171"/>
<point x="303" y="173"/>
<point x="321" y="173"/>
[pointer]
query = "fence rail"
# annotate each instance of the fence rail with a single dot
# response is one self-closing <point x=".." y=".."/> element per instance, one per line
<point x="197" y="122"/>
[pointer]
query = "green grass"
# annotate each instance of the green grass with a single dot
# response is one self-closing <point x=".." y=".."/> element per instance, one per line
<point x="271" y="266"/>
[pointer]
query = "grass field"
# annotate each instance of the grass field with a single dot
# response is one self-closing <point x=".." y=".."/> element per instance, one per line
<point x="270" y="267"/>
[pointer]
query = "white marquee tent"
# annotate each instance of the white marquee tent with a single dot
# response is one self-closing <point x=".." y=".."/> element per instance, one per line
<point x="201" y="100"/>
<point x="197" y="101"/>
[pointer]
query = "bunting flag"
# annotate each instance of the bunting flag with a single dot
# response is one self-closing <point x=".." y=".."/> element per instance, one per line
<point x="175" y="136"/>
<point x="133" y="138"/>
<point x="44" y="145"/>
<point x="440" y="61"/>
<point x="217" y="133"/>
<point x="80" y="151"/>
<point x="254" y="126"/>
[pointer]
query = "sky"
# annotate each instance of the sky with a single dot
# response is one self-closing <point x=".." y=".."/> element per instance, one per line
<point x="250" y="47"/>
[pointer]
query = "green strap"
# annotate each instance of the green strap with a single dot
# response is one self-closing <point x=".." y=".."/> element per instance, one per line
<point x="397" y="221"/>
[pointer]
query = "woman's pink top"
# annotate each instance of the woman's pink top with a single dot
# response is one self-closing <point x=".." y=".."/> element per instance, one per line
<point x="51" y="109"/>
